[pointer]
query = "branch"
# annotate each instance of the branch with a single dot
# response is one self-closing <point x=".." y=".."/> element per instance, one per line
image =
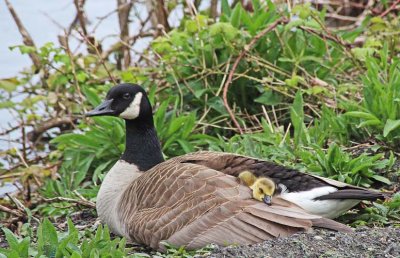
<point x="80" y="16"/>
<point x="236" y="63"/>
<point x="16" y="213"/>
<point x="391" y="8"/>
<point x="46" y="125"/>
<point x="124" y="9"/>
<point x="159" y="14"/>
<point x="213" y="9"/>
<point x="26" y="38"/>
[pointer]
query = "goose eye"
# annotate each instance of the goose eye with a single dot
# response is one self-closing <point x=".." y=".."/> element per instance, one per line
<point x="126" y="96"/>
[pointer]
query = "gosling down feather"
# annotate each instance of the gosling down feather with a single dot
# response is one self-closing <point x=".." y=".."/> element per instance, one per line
<point x="197" y="199"/>
<point x="263" y="187"/>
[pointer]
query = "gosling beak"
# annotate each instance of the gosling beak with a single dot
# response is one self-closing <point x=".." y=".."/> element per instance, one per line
<point x="267" y="200"/>
<point x="102" y="109"/>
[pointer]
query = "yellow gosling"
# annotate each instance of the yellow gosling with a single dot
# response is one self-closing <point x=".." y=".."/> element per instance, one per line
<point x="263" y="188"/>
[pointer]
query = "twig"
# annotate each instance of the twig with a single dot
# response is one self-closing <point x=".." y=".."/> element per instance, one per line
<point x="341" y="17"/>
<point x="100" y="19"/>
<point x="271" y="128"/>
<point x="23" y="138"/>
<point x="99" y="55"/>
<point x="159" y="15"/>
<point x="392" y="7"/>
<point x="214" y="9"/>
<point x="27" y="39"/>
<point x="51" y="123"/>
<point x="78" y="6"/>
<point x="21" y="208"/>
<point x="21" y="157"/>
<point x="64" y="199"/>
<point x="80" y="15"/>
<point x="11" y="175"/>
<point x="236" y="63"/>
<point x="17" y="202"/>
<point x="6" y="132"/>
<point x="334" y="38"/>
<point x="124" y="9"/>
<point x="17" y="213"/>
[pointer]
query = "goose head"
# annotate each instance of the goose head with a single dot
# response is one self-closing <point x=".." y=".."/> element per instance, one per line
<point x="127" y="101"/>
<point x="130" y="102"/>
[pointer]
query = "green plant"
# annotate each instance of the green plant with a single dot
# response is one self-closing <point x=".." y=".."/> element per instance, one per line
<point x="381" y="213"/>
<point x="51" y="243"/>
<point x="380" y="110"/>
<point x="339" y="165"/>
<point x="173" y="251"/>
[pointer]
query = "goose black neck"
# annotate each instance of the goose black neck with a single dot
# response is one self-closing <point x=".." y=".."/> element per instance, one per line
<point x="142" y="145"/>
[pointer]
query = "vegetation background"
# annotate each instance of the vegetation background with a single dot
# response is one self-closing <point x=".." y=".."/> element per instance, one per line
<point x="313" y="85"/>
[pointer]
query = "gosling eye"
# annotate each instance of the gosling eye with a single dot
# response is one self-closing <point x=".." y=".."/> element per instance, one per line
<point x="126" y="95"/>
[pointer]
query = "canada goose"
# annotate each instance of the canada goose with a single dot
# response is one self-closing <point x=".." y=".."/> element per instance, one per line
<point x="263" y="187"/>
<point x="196" y="199"/>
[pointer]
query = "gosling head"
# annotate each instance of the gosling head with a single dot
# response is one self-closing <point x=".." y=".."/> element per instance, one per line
<point x="263" y="190"/>
<point x="127" y="101"/>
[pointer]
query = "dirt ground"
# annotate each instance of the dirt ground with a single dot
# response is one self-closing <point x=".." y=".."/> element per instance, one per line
<point x="364" y="242"/>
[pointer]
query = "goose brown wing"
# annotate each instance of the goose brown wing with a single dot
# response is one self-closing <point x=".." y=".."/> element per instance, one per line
<point x="294" y="180"/>
<point x="191" y="205"/>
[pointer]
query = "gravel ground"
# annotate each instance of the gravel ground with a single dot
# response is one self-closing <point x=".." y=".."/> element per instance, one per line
<point x="364" y="242"/>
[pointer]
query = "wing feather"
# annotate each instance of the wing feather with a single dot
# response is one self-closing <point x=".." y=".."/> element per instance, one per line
<point x="192" y="205"/>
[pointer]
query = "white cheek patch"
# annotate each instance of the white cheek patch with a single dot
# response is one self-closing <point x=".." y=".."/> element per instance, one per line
<point x="133" y="110"/>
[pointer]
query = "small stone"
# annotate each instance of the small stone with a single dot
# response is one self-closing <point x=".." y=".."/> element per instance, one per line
<point x="318" y="238"/>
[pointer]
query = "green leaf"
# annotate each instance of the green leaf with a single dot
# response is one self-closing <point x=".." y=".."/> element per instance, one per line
<point x="225" y="8"/>
<point x="369" y="123"/>
<point x="236" y="15"/>
<point x="9" y="85"/>
<point x="382" y="179"/>
<point x="390" y="126"/>
<point x="269" y="97"/>
<point x="91" y="96"/>
<point x="359" y="114"/>
<point x="297" y="117"/>
<point x="11" y="239"/>
<point x="47" y="239"/>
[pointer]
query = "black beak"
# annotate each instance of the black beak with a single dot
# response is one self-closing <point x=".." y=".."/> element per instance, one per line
<point x="102" y="109"/>
<point x="267" y="200"/>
